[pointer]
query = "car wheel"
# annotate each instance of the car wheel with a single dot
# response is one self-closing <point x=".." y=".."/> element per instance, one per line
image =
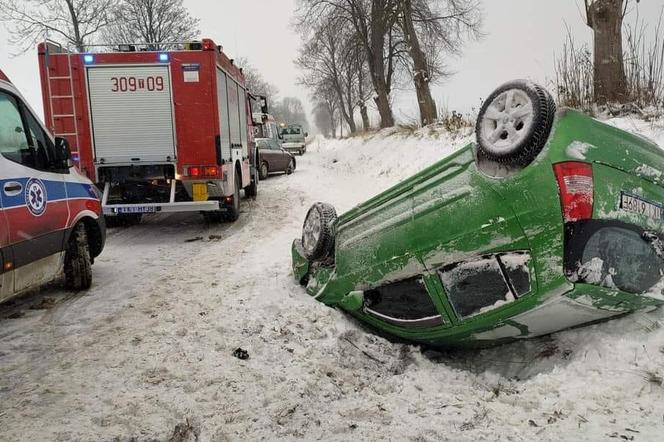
<point x="233" y="212"/>
<point x="263" y="171"/>
<point x="515" y="122"/>
<point x="291" y="167"/>
<point x="318" y="232"/>
<point x="78" y="263"/>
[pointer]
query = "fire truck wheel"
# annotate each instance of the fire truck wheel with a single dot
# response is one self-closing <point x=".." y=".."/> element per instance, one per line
<point x="233" y="212"/>
<point x="263" y="171"/>
<point x="78" y="263"/>
<point x="251" y="191"/>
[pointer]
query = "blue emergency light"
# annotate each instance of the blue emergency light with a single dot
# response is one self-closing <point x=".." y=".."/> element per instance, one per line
<point x="88" y="59"/>
<point x="163" y="57"/>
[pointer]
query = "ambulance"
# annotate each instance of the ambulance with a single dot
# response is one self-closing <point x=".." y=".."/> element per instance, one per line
<point x="51" y="222"/>
<point x="157" y="131"/>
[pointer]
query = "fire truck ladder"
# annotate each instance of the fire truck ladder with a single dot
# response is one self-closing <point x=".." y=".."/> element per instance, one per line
<point x="63" y="77"/>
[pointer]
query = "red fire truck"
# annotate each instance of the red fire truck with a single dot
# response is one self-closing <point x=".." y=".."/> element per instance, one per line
<point x="158" y="131"/>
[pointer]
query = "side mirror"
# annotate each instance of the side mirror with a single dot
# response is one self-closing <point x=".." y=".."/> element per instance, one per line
<point x="306" y="134"/>
<point x="62" y="151"/>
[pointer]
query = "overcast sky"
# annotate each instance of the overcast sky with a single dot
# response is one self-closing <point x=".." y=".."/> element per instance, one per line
<point x="521" y="39"/>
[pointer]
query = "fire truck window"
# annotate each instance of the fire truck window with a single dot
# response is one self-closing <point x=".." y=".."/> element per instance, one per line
<point x="242" y="100"/>
<point x="234" y="113"/>
<point x="222" y="96"/>
<point x="13" y="137"/>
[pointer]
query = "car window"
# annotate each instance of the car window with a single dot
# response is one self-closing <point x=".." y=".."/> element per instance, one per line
<point x="13" y="137"/>
<point x="485" y="284"/>
<point x="43" y="149"/>
<point x="406" y="303"/>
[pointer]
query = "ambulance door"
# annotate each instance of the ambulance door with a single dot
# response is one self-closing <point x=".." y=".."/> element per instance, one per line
<point x="33" y="196"/>
<point x="6" y="272"/>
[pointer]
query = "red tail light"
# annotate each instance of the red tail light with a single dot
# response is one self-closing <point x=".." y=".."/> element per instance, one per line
<point x="202" y="172"/>
<point x="575" y="181"/>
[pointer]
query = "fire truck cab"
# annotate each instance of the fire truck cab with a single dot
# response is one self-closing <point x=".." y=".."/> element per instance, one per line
<point x="158" y="131"/>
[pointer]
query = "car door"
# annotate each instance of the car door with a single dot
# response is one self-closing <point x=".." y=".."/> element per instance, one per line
<point x="33" y="195"/>
<point x="6" y="272"/>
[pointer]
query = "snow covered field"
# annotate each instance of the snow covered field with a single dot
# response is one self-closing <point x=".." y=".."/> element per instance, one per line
<point x="147" y="353"/>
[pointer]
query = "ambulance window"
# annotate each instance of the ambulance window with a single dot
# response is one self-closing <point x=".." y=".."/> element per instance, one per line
<point x="43" y="149"/>
<point x="13" y="139"/>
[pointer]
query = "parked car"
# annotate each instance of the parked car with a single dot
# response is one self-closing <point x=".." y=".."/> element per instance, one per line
<point x="549" y="221"/>
<point x="295" y="138"/>
<point x="50" y="215"/>
<point x="271" y="155"/>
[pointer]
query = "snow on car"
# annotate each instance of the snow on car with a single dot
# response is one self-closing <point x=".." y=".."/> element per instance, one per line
<point x="50" y="215"/>
<point x="158" y="131"/>
<point x="515" y="236"/>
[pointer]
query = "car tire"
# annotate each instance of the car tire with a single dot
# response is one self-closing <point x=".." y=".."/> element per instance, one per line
<point x="78" y="262"/>
<point x="263" y="171"/>
<point x="291" y="167"/>
<point x="514" y="123"/>
<point x="233" y="212"/>
<point x="318" y="232"/>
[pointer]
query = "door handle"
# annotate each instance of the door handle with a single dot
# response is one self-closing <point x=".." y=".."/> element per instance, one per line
<point x="12" y="188"/>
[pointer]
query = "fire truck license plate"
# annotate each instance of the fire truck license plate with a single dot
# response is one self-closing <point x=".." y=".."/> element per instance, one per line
<point x="129" y="210"/>
<point x="200" y="192"/>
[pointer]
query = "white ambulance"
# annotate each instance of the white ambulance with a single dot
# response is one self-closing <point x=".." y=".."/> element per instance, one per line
<point x="50" y="215"/>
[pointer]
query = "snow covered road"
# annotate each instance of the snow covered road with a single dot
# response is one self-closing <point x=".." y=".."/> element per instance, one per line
<point x="147" y="353"/>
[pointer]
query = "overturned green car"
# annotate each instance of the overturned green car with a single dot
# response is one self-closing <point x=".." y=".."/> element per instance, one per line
<point x="550" y="220"/>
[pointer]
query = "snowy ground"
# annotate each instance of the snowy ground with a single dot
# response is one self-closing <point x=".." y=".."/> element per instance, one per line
<point x="147" y="353"/>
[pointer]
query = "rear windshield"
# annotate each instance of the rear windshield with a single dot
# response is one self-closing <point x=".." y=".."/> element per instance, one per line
<point x="618" y="257"/>
<point x="291" y="131"/>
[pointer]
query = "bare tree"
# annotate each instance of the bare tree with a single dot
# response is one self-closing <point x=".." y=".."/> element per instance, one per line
<point x="605" y="18"/>
<point x="151" y="21"/>
<point x="290" y="111"/>
<point x="75" y="22"/>
<point x="327" y="59"/>
<point x="256" y="83"/>
<point x="373" y="22"/>
<point x="431" y="26"/>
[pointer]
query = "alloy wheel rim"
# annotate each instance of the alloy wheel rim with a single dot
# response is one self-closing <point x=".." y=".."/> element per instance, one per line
<point x="312" y="230"/>
<point x="507" y="120"/>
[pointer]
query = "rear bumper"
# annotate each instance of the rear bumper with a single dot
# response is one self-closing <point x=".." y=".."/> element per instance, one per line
<point x="202" y="206"/>
<point x="293" y="147"/>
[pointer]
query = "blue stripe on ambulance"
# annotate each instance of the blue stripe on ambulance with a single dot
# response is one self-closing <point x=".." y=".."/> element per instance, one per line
<point x="55" y="190"/>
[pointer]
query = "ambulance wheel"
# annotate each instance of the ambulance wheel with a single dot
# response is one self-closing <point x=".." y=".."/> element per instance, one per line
<point x="233" y="211"/>
<point x="78" y="263"/>
<point x="263" y="171"/>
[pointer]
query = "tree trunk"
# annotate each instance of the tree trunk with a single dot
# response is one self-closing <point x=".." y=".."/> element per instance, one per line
<point x="605" y="17"/>
<point x="377" y="63"/>
<point x="366" y="124"/>
<point x="421" y="76"/>
<point x="80" y="47"/>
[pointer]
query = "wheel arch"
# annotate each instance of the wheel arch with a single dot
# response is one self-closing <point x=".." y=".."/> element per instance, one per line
<point x="94" y="227"/>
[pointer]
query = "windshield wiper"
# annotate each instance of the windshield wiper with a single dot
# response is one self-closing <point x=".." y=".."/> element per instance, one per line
<point x="655" y="241"/>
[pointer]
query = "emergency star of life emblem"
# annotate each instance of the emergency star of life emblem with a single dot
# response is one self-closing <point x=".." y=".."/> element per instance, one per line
<point x="35" y="197"/>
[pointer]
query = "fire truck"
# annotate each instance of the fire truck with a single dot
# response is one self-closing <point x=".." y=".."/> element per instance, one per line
<point x="157" y="131"/>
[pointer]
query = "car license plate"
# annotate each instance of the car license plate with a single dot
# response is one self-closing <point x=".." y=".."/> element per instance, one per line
<point x="129" y="210"/>
<point x="635" y="204"/>
<point x="200" y="191"/>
